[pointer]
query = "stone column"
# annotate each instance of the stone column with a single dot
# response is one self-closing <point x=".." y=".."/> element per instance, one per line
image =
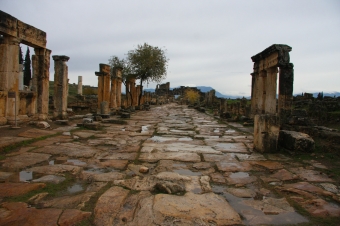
<point x="21" y="77"/>
<point x="271" y="83"/>
<point x="286" y="80"/>
<point x="113" y="96"/>
<point x="119" y="87"/>
<point x="60" y="86"/>
<point x="9" y="75"/>
<point x="80" y="85"/>
<point x="41" y="68"/>
<point x="133" y="92"/>
<point x="103" y="84"/>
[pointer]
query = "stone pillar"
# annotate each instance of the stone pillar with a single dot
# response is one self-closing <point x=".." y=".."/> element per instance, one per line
<point x="133" y="92"/>
<point x="9" y="75"/>
<point x="103" y="84"/>
<point x="23" y="103"/>
<point x="113" y="94"/>
<point x="119" y="87"/>
<point x="80" y="85"/>
<point x="286" y="80"/>
<point x="271" y="84"/>
<point x="104" y="108"/>
<point x="21" y="77"/>
<point x="60" y="86"/>
<point x="41" y="69"/>
<point x="266" y="132"/>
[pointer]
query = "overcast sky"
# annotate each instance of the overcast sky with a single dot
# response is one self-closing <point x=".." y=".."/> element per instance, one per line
<point x="208" y="43"/>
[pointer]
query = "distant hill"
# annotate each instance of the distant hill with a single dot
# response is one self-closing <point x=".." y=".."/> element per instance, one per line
<point x="205" y="89"/>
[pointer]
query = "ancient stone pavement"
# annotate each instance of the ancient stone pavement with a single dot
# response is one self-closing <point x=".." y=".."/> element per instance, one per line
<point x="167" y="166"/>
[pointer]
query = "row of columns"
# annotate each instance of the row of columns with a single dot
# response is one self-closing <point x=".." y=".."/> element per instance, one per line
<point x="10" y="81"/>
<point x="109" y="88"/>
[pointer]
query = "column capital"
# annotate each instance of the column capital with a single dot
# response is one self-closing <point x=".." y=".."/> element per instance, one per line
<point x="60" y="58"/>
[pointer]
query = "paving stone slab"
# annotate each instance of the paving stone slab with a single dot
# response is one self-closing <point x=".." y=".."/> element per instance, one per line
<point x="231" y="147"/>
<point x="69" y="149"/>
<point x="7" y="141"/>
<point x="177" y="147"/>
<point x="25" y="160"/>
<point x="227" y="166"/>
<point x="35" y="133"/>
<point x="311" y="175"/>
<point x="118" y="156"/>
<point x="177" y="156"/>
<point x="216" y="158"/>
<point x="190" y="209"/>
<point x="15" y="189"/>
<point x="58" y="169"/>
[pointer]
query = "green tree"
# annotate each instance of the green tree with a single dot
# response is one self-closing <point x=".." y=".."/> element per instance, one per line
<point x="27" y="68"/>
<point x="148" y="63"/>
<point x="21" y="60"/>
<point x="116" y="62"/>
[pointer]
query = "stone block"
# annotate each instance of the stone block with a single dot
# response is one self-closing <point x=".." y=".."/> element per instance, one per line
<point x="296" y="141"/>
<point x="266" y="132"/>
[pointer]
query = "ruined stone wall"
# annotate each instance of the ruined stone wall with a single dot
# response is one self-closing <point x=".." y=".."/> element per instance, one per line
<point x="13" y="33"/>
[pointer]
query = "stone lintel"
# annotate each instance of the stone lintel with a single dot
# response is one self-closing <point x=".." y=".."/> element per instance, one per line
<point x="270" y="50"/>
<point x="28" y="34"/>
<point x="60" y="57"/>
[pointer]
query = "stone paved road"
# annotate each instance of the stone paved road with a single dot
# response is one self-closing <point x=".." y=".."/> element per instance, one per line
<point x="167" y="166"/>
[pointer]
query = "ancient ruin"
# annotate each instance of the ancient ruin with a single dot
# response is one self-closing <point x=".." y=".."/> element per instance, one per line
<point x="168" y="160"/>
<point x="60" y="86"/>
<point x="13" y="101"/>
<point x="267" y="116"/>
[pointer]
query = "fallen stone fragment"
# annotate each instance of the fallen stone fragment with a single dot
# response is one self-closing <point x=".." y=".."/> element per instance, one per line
<point x="296" y="141"/>
<point x="43" y="125"/>
<point x="169" y="187"/>
<point x="108" y="205"/>
<point x="15" y="189"/>
<point x="143" y="169"/>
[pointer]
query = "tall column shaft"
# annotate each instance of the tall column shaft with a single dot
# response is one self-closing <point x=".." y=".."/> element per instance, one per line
<point x="42" y="73"/>
<point x="119" y="92"/>
<point x="103" y="84"/>
<point x="80" y="85"/>
<point x="286" y="80"/>
<point x="271" y="84"/>
<point x="113" y="97"/>
<point x="60" y="86"/>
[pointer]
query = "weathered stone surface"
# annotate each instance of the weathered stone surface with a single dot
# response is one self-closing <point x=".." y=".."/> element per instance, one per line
<point x="119" y="156"/>
<point x="318" y="207"/>
<point x="216" y="158"/>
<point x="280" y="175"/>
<point x="50" y="179"/>
<point x="126" y="214"/>
<point x="311" y="175"/>
<point x="34" y="133"/>
<point x="69" y="149"/>
<point x="5" y="176"/>
<point x="217" y="178"/>
<point x="189" y="209"/>
<point x="178" y="156"/>
<point x="24" y="160"/>
<point x="267" y="164"/>
<point x="270" y="205"/>
<point x="296" y="141"/>
<point x="240" y="178"/>
<point x="6" y="141"/>
<point x="101" y="177"/>
<point x="18" y="214"/>
<point x="43" y="125"/>
<point x="305" y="189"/>
<point x="233" y="166"/>
<point x="201" y="165"/>
<point x="177" y="147"/>
<point x="68" y="202"/>
<point x="116" y="164"/>
<point x="84" y="134"/>
<point x="56" y="169"/>
<point x="15" y="189"/>
<point x="252" y="157"/>
<point x="108" y="205"/>
<point x="72" y="216"/>
<point x="242" y="192"/>
<point x="231" y="147"/>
